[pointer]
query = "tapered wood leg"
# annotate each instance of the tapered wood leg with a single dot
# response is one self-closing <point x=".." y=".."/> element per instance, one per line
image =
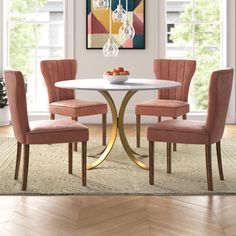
<point x="52" y="116"/>
<point x="184" y="117"/>
<point x="25" y="167"/>
<point x="75" y="144"/>
<point x="174" y="147"/>
<point x="104" y="129"/>
<point x="70" y="158"/>
<point x="84" y="163"/>
<point x="219" y="159"/>
<point x="151" y="162"/>
<point x="209" y="167"/>
<point x="159" y="119"/>
<point x="138" y="124"/>
<point x="168" y="147"/>
<point x="174" y="144"/>
<point x="18" y="157"/>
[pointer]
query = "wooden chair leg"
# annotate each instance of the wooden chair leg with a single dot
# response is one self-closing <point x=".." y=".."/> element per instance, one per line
<point x="151" y="163"/>
<point x="52" y="116"/>
<point x="168" y="147"/>
<point x="25" y="167"/>
<point x="75" y="144"/>
<point x="184" y="117"/>
<point x="174" y="144"/>
<point x="18" y="157"/>
<point x="84" y="163"/>
<point x="104" y="129"/>
<point x="174" y="147"/>
<point x="70" y="158"/>
<point x="159" y="119"/>
<point x="138" y="124"/>
<point x="209" y="167"/>
<point x="219" y="159"/>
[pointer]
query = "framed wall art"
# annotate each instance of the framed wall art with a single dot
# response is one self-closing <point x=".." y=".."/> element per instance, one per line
<point x="97" y="25"/>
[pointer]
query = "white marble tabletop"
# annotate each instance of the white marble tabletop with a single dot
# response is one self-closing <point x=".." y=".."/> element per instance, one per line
<point x="130" y="85"/>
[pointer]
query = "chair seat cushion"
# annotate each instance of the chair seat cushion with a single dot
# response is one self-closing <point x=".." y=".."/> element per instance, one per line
<point x="76" y="108"/>
<point x="162" y="107"/>
<point x="179" y="131"/>
<point x="56" y="131"/>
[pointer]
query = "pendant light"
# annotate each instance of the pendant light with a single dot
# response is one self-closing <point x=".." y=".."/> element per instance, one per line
<point x="100" y="4"/>
<point x="110" y="49"/>
<point x="127" y="30"/>
<point x="119" y="15"/>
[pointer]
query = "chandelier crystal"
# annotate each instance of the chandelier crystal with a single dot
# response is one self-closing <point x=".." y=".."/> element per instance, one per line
<point x="100" y="4"/>
<point x="127" y="30"/>
<point x="119" y="15"/>
<point x="110" y="49"/>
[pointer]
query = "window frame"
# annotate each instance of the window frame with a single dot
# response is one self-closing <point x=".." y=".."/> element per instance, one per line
<point x="229" y="49"/>
<point x="68" y="36"/>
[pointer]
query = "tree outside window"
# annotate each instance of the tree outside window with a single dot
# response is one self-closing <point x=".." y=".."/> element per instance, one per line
<point x="199" y="29"/>
<point x="36" y="32"/>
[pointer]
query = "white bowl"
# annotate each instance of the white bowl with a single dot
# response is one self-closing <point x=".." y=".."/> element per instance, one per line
<point x="116" y="79"/>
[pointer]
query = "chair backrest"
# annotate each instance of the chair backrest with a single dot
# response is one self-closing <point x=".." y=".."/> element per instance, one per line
<point x="58" y="70"/>
<point x="219" y="95"/>
<point x="177" y="70"/>
<point x="15" y="88"/>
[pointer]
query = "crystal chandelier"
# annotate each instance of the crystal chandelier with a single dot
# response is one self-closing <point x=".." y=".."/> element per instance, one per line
<point x="127" y="30"/>
<point x="110" y="49"/>
<point x="119" y="15"/>
<point x="100" y="4"/>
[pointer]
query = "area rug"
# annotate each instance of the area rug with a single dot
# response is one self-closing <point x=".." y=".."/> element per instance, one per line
<point x="117" y="174"/>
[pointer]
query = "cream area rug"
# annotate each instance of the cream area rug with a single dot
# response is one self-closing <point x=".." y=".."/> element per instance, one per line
<point x="117" y="174"/>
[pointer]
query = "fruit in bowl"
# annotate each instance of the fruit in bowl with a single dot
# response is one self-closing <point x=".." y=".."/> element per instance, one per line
<point x="117" y="75"/>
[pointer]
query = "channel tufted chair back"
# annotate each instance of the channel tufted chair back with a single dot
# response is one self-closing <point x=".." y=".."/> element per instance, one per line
<point x="59" y="70"/>
<point x="176" y="70"/>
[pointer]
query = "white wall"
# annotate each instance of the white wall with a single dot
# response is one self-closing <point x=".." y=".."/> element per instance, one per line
<point x="138" y="62"/>
<point x="231" y="54"/>
<point x="1" y="38"/>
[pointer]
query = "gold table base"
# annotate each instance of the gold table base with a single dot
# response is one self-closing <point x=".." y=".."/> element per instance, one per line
<point x="118" y="125"/>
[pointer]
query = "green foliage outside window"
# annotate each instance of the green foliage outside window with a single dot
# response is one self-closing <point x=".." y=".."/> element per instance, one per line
<point x="206" y="37"/>
<point x="22" y="35"/>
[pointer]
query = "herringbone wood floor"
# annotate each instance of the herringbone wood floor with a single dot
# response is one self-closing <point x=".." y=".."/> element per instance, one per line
<point x="118" y="215"/>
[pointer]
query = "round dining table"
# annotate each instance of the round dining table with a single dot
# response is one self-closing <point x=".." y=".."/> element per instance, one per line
<point x="131" y="87"/>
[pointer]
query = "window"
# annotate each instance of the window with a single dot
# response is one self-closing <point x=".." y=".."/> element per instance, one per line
<point x="194" y="30"/>
<point x="35" y="32"/>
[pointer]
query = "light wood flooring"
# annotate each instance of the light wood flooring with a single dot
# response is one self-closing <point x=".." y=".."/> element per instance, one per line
<point x="117" y="215"/>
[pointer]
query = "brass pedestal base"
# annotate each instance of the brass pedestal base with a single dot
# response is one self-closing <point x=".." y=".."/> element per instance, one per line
<point x="118" y="125"/>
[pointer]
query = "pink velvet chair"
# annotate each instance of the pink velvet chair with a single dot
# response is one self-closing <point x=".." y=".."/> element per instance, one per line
<point x="62" y="101"/>
<point x="196" y="132"/>
<point x="40" y="132"/>
<point x="170" y="102"/>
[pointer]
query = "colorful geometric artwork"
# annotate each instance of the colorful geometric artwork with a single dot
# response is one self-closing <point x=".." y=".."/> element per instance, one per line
<point x="98" y="25"/>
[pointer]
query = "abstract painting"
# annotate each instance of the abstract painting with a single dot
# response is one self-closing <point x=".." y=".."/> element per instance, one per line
<point x="98" y="25"/>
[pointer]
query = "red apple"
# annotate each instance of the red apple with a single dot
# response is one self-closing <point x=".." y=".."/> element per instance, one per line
<point x="126" y="72"/>
<point x="119" y="69"/>
<point x="115" y="73"/>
